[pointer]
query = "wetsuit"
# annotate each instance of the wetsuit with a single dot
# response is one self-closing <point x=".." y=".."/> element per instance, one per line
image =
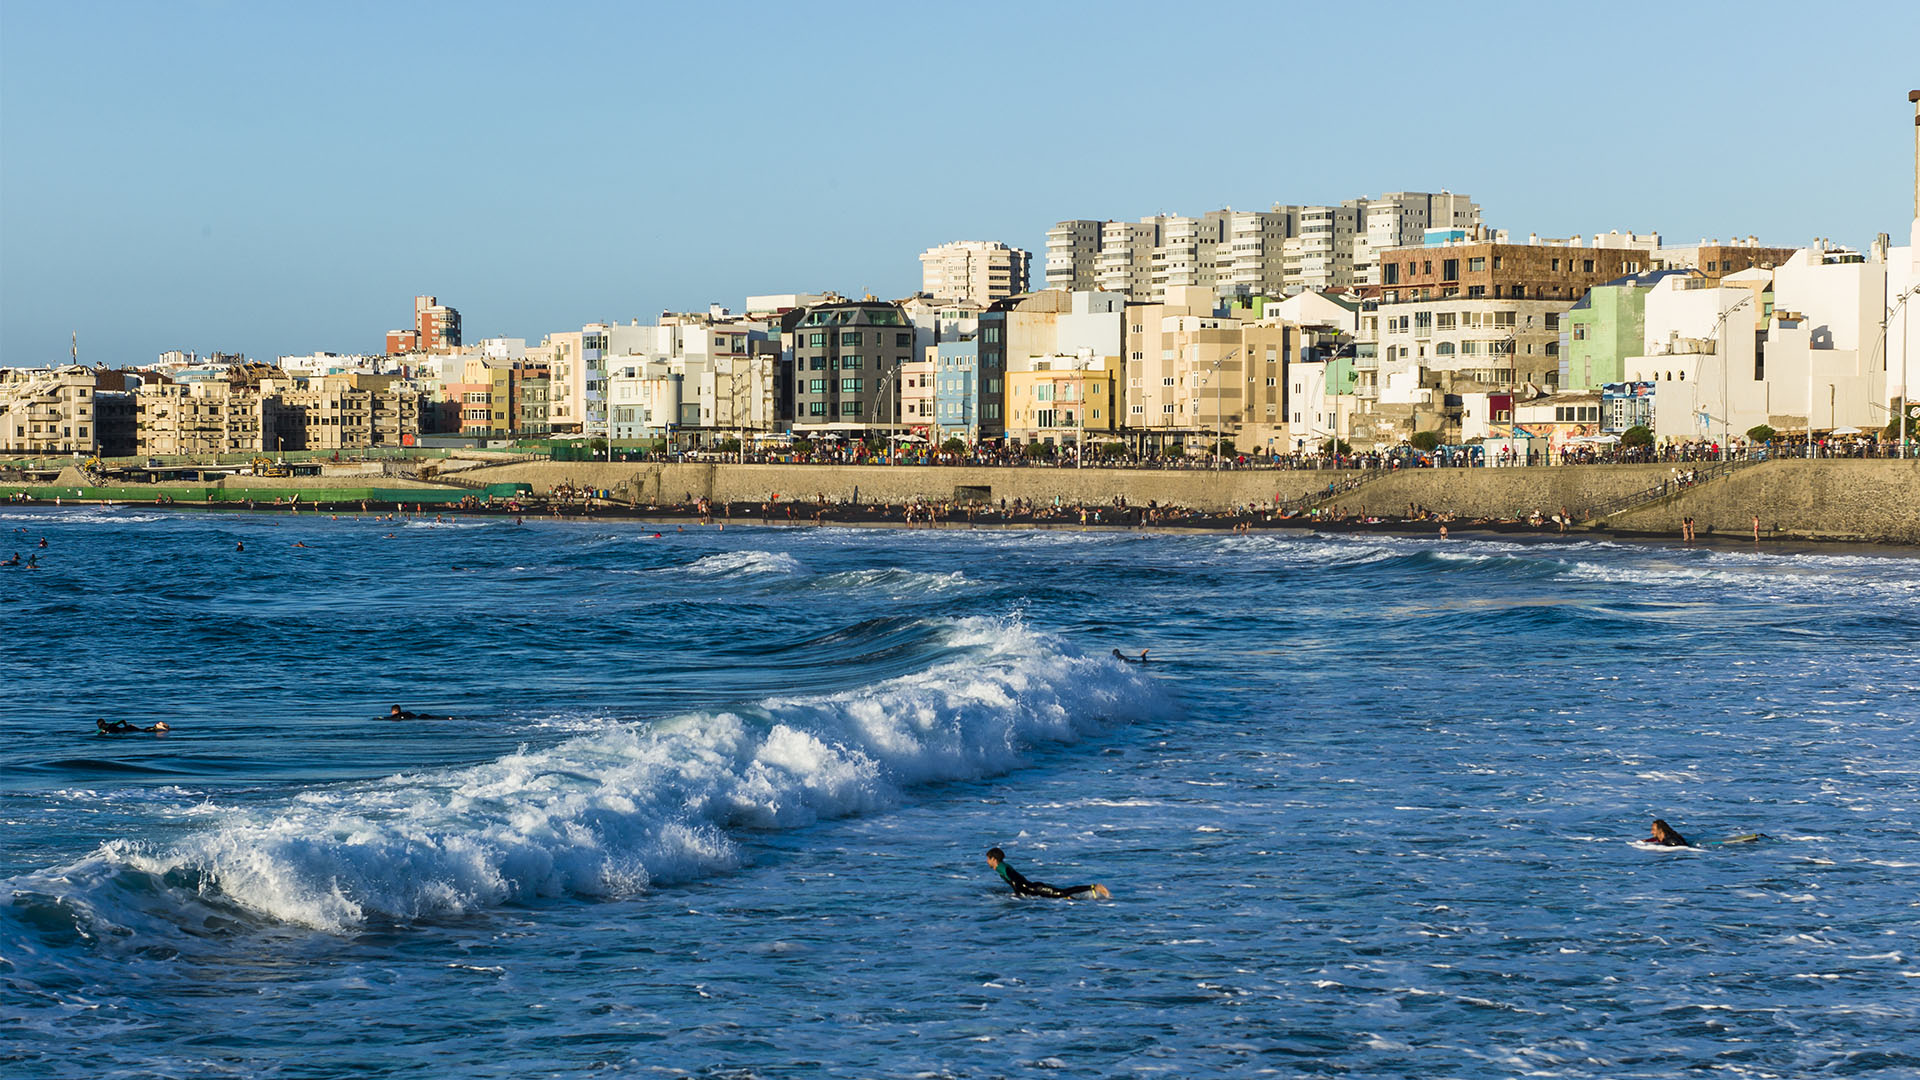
<point x="1023" y="887"/>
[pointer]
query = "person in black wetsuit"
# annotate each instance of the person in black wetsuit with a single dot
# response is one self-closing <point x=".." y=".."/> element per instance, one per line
<point x="1665" y="836"/>
<point x="122" y="727"/>
<point x="1141" y="659"/>
<point x="399" y="713"/>
<point x="997" y="860"/>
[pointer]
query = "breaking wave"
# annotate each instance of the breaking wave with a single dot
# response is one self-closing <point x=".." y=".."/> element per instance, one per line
<point x="610" y="812"/>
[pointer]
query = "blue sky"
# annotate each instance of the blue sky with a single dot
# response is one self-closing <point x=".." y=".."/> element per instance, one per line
<point x="283" y="178"/>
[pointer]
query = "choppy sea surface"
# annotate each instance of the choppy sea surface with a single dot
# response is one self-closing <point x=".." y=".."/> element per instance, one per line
<point x="713" y="804"/>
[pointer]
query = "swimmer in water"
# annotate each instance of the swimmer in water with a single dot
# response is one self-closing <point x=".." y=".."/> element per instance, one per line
<point x="997" y="860"/>
<point x="1141" y="659"/>
<point x="239" y="545"/>
<point x="398" y="713"/>
<point x="121" y="727"/>
<point x="1665" y="836"/>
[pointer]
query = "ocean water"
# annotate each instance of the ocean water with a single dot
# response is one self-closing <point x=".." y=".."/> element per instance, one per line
<point x="713" y="804"/>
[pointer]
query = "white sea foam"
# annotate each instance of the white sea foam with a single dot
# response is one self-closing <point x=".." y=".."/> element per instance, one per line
<point x="892" y="581"/>
<point x="746" y="562"/>
<point x="610" y="812"/>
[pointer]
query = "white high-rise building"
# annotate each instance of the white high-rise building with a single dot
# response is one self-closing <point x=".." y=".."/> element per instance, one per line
<point x="1249" y="253"/>
<point x="1071" y="248"/>
<point x="1401" y="219"/>
<point x="976" y="270"/>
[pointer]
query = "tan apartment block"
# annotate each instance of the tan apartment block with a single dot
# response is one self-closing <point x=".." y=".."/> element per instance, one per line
<point x="975" y="270"/>
<point x="47" y="411"/>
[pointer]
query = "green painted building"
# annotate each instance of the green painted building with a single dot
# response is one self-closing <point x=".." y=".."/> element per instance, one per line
<point x="1608" y="325"/>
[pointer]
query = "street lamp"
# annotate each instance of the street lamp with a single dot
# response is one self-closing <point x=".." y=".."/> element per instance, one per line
<point x="1218" y="426"/>
<point x="1726" y="390"/>
<point x="1906" y="384"/>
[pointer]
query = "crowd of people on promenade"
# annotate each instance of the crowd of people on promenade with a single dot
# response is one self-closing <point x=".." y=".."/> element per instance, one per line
<point x="1477" y="454"/>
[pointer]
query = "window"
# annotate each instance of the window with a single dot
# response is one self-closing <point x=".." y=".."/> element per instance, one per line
<point x="1580" y="332"/>
<point x="1476" y="292"/>
<point x="851" y="386"/>
<point x="819" y="363"/>
<point x="1393" y="274"/>
<point x="1556" y="266"/>
<point x="1450" y="269"/>
<point x="1586" y="266"/>
<point x="904" y="341"/>
<point x="817" y="408"/>
<point x="850" y="408"/>
<point x="852" y="363"/>
<point x="992" y="333"/>
<point x="1444" y="321"/>
<point x="1477" y="264"/>
<point x="1552" y="319"/>
<point x="849" y="337"/>
<point x="816" y="386"/>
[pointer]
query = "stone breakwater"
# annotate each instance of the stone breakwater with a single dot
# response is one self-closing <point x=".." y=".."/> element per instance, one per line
<point x="1875" y="501"/>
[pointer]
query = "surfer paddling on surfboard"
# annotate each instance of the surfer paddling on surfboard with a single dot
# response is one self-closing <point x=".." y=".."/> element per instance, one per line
<point x="1141" y="659"/>
<point x="1665" y="835"/>
<point x="997" y="860"/>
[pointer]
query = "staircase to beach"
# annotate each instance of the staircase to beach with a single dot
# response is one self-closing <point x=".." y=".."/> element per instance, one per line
<point x="1687" y="480"/>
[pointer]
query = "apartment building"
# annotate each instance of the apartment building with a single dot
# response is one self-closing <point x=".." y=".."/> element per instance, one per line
<point x="1189" y="252"/>
<point x="1478" y="269"/>
<point x="47" y="411"/>
<point x="1401" y="219"/>
<point x="974" y="270"/>
<point x="1190" y="372"/>
<point x="917" y="401"/>
<point x="1715" y="259"/>
<point x="1321" y="255"/>
<point x="1072" y="249"/>
<point x="436" y="328"/>
<point x="1253" y="262"/>
<point x="1064" y="400"/>
<point x="1124" y="263"/>
<point x="1249" y="253"/>
<point x="199" y="419"/>
<point x="844" y="360"/>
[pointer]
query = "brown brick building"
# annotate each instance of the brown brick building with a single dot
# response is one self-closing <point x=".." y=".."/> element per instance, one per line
<point x="1488" y="270"/>
<point x="1716" y="261"/>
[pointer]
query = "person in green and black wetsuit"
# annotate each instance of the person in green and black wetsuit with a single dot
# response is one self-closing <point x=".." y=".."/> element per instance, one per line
<point x="997" y="860"/>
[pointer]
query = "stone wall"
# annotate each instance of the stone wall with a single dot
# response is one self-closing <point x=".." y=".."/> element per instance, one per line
<point x="1822" y="500"/>
<point x="672" y="483"/>
<point x="1503" y="493"/>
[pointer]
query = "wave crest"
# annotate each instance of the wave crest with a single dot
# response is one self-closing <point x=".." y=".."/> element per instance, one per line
<point x="615" y="811"/>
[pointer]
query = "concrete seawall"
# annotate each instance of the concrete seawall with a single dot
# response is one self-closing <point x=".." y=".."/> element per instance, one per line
<point x="672" y="483"/>
<point x="1830" y="499"/>
<point x="1817" y="500"/>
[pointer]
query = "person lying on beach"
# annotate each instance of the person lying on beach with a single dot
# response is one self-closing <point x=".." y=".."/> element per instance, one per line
<point x="997" y="860"/>
<point x="122" y="727"/>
